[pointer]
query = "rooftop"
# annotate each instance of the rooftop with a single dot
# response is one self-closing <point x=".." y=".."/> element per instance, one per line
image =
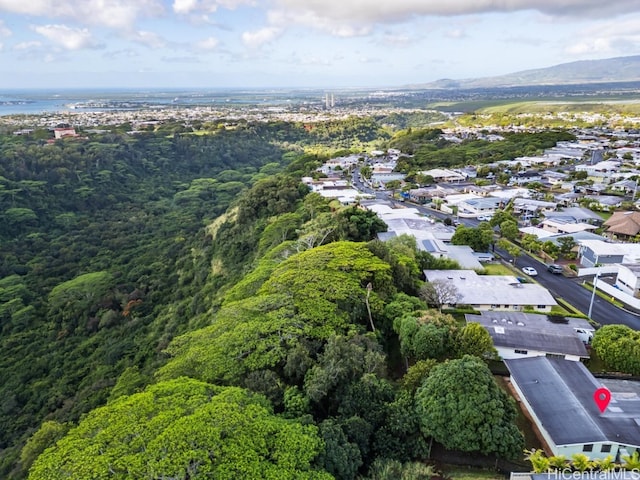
<point x="477" y="289"/>
<point x="561" y="394"/>
<point x="534" y="332"/>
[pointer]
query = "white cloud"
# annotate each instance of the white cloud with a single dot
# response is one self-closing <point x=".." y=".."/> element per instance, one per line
<point x="4" y="31"/>
<point x="260" y="37"/>
<point x="338" y="28"/>
<point x="610" y="38"/>
<point x="396" y="40"/>
<point x="185" y="59"/>
<point x="186" y="7"/>
<point x="456" y="34"/>
<point x="22" y="46"/>
<point x="123" y="53"/>
<point x="67" y="37"/>
<point x="118" y="14"/>
<point x="210" y="43"/>
<point x="148" y="39"/>
<point x="385" y="11"/>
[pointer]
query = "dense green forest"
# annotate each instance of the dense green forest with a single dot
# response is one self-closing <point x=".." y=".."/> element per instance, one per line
<point x="180" y="306"/>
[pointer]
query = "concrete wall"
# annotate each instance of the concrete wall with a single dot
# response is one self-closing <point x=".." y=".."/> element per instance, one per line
<point x="627" y="280"/>
<point x="584" y="272"/>
<point x="619" y="294"/>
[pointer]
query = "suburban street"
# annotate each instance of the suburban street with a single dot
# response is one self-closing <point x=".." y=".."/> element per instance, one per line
<point x="570" y="290"/>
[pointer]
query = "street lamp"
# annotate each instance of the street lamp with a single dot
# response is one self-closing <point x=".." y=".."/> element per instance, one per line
<point x="593" y="293"/>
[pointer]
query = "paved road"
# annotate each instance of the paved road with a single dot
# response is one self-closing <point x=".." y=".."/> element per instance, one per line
<point x="570" y="289"/>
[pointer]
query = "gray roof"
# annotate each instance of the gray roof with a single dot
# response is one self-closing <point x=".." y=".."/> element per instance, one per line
<point x="560" y="392"/>
<point x="555" y="335"/>
<point x="577" y="213"/>
<point x="577" y="236"/>
<point x="492" y="289"/>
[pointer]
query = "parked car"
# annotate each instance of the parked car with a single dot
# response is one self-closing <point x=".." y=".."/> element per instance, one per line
<point x="532" y="272"/>
<point x="485" y="218"/>
<point x="553" y="268"/>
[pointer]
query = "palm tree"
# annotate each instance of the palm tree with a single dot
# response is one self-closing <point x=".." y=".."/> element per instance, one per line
<point x="539" y="462"/>
<point x="580" y="462"/>
<point x="558" y="461"/>
<point x="632" y="462"/>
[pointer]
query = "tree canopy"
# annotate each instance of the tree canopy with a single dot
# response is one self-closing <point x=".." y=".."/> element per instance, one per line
<point x="184" y="429"/>
<point x="463" y="408"/>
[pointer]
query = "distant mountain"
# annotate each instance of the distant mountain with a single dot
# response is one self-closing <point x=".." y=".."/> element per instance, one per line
<point x="619" y="69"/>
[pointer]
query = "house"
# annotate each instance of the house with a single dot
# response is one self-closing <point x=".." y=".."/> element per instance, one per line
<point x="601" y="170"/>
<point x="599" y="252"/>
<point x="554" y="178"/>
<point x="410" y="222"/>
<point x="623" y="225"/>
<point x="576" y="215"/>
<point x="559" y="226"/>
<point x="526" y="177"/>
<point x="529" y="206"/>
<point x="520" y="335"/>
<point x="383" y="173"/>
<point x="604" y="202"/>
<point x="558" y="396"/>
<point x="444" y="175"/>
<point x="566" y="151"/>
<point x="64" y="132"/>
<point x="568" y="198"/>
<point x="494" y="292"/>
<point x="626" y="186"/>
<point x="480" y="206"/>
<point x="628" y="278"/>
<point x="421" y="195"/>
<point x="476" y="190"/>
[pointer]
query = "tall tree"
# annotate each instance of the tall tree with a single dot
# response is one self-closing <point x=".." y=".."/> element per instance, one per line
<point x="461" y="407"/>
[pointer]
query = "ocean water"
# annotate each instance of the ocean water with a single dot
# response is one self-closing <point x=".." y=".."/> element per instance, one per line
<point x="30" y="102"/>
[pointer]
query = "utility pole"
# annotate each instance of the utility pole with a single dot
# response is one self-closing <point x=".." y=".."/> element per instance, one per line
<point x="593" y="294"/>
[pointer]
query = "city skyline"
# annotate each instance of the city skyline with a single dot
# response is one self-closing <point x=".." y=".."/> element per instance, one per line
<point x="300" y="43"/>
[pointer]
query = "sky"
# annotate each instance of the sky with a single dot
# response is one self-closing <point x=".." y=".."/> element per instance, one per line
<point x="300" y="43"/>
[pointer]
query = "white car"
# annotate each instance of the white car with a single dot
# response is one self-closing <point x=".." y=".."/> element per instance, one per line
<point x="485" y="218"/>
<point x="532" y="272"/>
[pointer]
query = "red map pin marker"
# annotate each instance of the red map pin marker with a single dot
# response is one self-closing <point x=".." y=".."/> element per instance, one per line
<point x="602" y="397"/>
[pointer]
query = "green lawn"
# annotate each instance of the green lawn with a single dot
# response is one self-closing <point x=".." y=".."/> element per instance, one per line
<point x="497" y="269"/>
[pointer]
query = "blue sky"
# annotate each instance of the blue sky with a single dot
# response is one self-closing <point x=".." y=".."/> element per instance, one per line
<point x="300" y="43"/>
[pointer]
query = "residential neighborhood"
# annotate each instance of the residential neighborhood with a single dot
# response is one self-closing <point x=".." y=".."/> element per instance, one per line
<point x="576" y="222"/>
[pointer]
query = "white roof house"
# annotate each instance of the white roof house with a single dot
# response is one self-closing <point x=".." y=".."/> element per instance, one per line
<point x="601" y="169"/>
<point x="555" y="226"/>
<point x="444" y="175"/>
<point x="480" y="205"/>
<point x="430" y="236"/>
<point x="494" y="292"/>
<point x="600" y="252"/>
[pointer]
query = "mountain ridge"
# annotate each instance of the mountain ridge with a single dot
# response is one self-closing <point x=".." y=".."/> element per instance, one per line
<point x="610" y="70"/>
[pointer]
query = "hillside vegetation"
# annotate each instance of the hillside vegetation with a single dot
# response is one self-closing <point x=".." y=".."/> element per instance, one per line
<point x="180" y="306"/>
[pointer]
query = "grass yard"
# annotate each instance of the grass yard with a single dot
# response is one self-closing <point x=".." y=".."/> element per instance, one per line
<point x="497" y="269"/>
